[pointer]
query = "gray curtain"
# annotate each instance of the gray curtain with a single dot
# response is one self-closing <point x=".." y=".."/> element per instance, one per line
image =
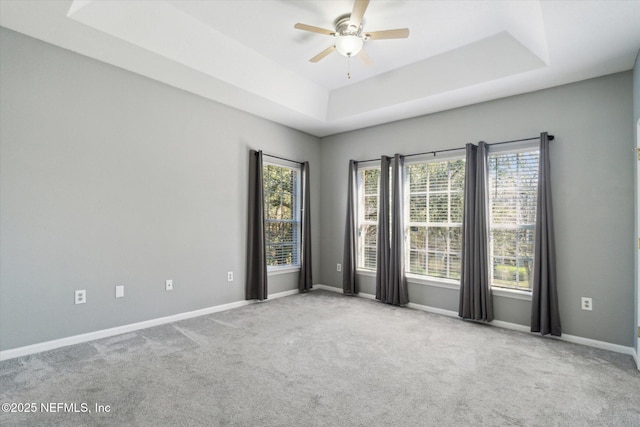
<point x="383" y="243"/>
<point x="256" y="286"/>
<point x="306" y="281"/>
<point x="545" y="315"/>
<point x="391" y="284"/>
<point x="349" y="285"/>
<point x="475" y="289"/>
<point x="397" y="292"/>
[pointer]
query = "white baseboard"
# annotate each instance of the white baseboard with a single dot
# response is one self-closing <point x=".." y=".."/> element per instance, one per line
<point x="105" y="333"/>
<point x="332" y="289"/>
<point x="508" y="325"/>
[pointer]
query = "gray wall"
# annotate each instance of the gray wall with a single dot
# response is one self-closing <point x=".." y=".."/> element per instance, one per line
<point x="109" y="178"/>
<point x="636" y="89"/>
<point x="636" y="118"/>
<point x="592" y="175"/>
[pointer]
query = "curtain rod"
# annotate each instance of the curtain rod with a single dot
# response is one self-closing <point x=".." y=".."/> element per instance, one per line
<point x="551" y="138"/>
<point x="282" y="158"/>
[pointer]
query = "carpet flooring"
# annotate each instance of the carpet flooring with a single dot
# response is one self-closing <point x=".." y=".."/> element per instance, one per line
<point x="323" y="359"/>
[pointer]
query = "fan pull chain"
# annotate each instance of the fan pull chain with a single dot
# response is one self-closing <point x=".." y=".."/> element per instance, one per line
<point x="349" y="67"/>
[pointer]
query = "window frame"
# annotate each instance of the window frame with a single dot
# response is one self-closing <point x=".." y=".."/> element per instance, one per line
<point x="296" y="211"/>
<point x="513" y="148"/>
<point x="361" y="221"/>
<point x="408" y="224"/>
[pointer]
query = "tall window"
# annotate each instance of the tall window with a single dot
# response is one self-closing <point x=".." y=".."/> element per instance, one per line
<point x="434" y="206"/>
<point x="434" y="215"/>
<point x="513" y="194"/>
<point x="282" y="215"/>
<point x="368" y="184"/>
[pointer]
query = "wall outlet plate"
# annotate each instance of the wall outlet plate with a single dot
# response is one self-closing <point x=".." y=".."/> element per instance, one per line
<point x="81" y="296"/>
<point x="119" y="291"/>
<point x="230" y="276"/>
<point x="587" y="303"/>
<point x="339" y="267"/>
<point x="168" y="285"/>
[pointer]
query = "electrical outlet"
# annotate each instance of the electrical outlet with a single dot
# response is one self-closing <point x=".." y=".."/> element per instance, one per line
<point x="168" y="285"/>
<point x="81" y="296"/>
<point x="587" y="303"/>
<point x="119" y="291"/>
<point x="339" y="267"/>
<point x="230" y="276"/>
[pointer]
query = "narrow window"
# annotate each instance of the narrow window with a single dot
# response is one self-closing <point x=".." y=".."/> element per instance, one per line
<point x="434" y="218"/>
<point x="368" y="184"/>
<point x="513" y="191"/>
<point x="282" y="215"/>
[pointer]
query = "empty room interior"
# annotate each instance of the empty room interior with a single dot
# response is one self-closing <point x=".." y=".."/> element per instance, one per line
<point x="350" y="212"/>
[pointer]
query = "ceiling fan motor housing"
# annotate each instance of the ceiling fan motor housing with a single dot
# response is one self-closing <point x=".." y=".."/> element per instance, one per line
<point x="344" y="26"/>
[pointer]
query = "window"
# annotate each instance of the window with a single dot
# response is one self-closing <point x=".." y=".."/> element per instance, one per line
<point x="282" y="215"/>
<point x="434" y="218"/>
<point x="433" y="209"/>
<point x="513" y="189"/>
<point x="368" y="183"/>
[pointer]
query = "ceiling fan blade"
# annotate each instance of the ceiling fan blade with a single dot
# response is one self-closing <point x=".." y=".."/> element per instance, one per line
<point x="402" y="33"/>
<point x="313" y="29"/>
<point x="322" y="54"/>
<point x="359" y="7"/>
<point x="365" y="58"/>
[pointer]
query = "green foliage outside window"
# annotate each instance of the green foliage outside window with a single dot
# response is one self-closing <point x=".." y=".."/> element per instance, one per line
<point x="281" y="215"/>
<point x="513" y="179"/>
<point x="435" y="218"/>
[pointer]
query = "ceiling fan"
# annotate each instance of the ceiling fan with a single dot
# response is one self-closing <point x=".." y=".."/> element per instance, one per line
<point x="349" y="35"/>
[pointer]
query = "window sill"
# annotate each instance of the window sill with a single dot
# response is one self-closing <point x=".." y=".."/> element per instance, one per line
<point x="369" y="273"/>
<point x="434" y="281"/>
<point x="282" y="270"/>
<point x="420" y="280"/>
<point x="455" y="285"/>
<point x="511" y="293"/>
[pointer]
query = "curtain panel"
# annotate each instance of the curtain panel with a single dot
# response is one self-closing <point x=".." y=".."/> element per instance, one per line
<point x="545" y="314"/>
<point x="383" y="239"/>
<point x="349" y="260"/>
<point x="391" y="285"/>
<point x="397" y="292"/>
<point x="475" y="289"/>
<point x="305" y="281"/>
<point x="256" y="284"/>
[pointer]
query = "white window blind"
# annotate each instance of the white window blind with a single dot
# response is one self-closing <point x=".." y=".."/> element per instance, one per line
<point x="513" y="189"/>
<point x="368" y="186"/>
<point x="282" y="215"/>
<point x="434" y="215"/>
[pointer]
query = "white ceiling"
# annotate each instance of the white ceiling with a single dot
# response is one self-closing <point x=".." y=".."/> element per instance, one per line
<point x="246" y="54"/>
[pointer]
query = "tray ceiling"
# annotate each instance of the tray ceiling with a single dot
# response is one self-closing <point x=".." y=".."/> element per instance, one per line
<point x="246" y="54"/>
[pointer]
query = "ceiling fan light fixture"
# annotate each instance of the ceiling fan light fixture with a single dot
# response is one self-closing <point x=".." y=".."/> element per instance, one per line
<point x="348" y="45"/>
